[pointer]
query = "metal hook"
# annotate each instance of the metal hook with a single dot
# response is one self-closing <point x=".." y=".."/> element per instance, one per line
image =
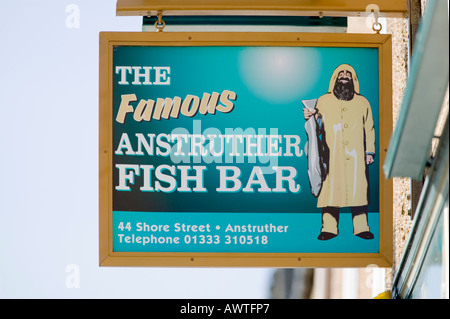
<point x="160" y="24"/>
<point x="376" y="26"/>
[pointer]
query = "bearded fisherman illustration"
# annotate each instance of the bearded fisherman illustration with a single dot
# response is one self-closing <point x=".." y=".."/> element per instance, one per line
<point x="345" y="124"/>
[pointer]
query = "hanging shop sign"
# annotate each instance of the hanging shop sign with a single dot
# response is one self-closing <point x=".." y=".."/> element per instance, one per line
<point x="244" y="149"/>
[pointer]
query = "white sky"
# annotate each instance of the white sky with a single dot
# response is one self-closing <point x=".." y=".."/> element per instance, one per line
<point x="49" y="165"/>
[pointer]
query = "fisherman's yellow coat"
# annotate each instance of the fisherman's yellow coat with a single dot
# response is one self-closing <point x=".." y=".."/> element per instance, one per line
<point x="349" y="134"/>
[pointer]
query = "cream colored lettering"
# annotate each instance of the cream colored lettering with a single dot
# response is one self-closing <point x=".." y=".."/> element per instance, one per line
<point x="144" y="110"/>
<point x="166" y="108"/>
<point x="225" y="98"/>
<point x="190" y="105"/>
<point x="209" y="103"/>
<point x="125" y="107"/>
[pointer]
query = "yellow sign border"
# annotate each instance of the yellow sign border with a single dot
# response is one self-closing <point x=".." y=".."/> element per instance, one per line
<point x="107" y="257"/>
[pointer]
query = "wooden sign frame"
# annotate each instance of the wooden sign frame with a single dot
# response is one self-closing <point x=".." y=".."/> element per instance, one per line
<point x="108" y="257"/>
<point x="333" y="8"/>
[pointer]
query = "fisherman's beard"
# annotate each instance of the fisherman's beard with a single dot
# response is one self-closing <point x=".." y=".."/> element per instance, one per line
<point x="344" y="91"/>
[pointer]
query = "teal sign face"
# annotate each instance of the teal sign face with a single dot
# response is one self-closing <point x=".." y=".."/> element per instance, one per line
<point x="211" y="153"/>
